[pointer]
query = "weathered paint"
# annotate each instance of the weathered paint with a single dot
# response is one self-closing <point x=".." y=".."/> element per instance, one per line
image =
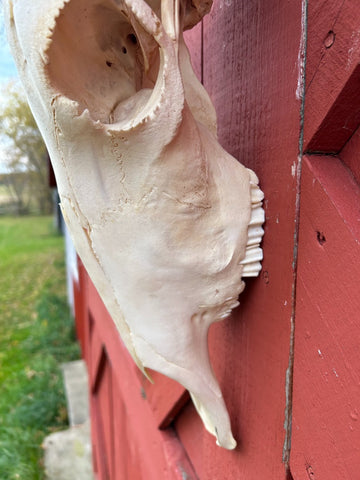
<point x="248" y="57"/>
<point x="246" y="52"/>
<point x="327" y="362"/>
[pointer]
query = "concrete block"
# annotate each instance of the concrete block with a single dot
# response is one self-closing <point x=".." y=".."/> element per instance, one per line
<point x="67" y="454"/>
<point x="76" y="390"/>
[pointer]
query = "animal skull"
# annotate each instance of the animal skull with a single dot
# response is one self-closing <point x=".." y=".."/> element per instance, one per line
<point x="165" y="221"/>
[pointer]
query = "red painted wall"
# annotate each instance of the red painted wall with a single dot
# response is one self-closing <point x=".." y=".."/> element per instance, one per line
<point x="284" y="79"/>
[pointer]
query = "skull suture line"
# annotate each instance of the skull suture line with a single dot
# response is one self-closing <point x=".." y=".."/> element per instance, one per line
<point x="165" y="221"/>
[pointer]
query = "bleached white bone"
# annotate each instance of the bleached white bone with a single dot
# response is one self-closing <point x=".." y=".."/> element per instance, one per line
<point x="165" y="221"/>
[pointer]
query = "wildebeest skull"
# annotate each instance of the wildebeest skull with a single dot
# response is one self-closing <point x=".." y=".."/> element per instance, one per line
<point x="165" y="221"/>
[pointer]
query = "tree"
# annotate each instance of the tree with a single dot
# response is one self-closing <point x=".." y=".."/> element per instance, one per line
<point x="25" y="155"/>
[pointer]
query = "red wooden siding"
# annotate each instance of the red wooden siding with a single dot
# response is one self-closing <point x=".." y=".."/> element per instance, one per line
<point x="326" y="400"/>
<point x="332" y="74"/>
<point x="251" y="57"/>
<point x="326" y="434"/>
<point x="250" y="68"/>
<point x="127" y="443"/>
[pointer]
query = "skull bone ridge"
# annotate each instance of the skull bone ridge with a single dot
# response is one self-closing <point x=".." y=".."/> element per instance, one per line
<point x="165" y="221"/>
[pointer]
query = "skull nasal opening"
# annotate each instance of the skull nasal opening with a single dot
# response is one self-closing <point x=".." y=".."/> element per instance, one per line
<point x="101" y="57"/>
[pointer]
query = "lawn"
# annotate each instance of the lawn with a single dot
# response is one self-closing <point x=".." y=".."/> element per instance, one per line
<point x="36" y="336"/>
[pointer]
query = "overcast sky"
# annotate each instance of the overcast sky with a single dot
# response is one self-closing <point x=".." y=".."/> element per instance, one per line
<point x="7" y="65"/>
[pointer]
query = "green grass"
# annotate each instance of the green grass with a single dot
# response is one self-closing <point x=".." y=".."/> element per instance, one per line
<point x="36" y="336"/>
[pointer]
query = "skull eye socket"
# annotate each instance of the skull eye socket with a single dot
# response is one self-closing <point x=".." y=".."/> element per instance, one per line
<point x="96" y="56"/>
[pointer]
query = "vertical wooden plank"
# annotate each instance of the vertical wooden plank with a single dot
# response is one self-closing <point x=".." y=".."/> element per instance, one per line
<point x="326" y="385"/>
<point x="326" y="408"/>
<point x="251" y="70"/>
<point x="120" y="436"/>
<point x="333" y="54"/>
